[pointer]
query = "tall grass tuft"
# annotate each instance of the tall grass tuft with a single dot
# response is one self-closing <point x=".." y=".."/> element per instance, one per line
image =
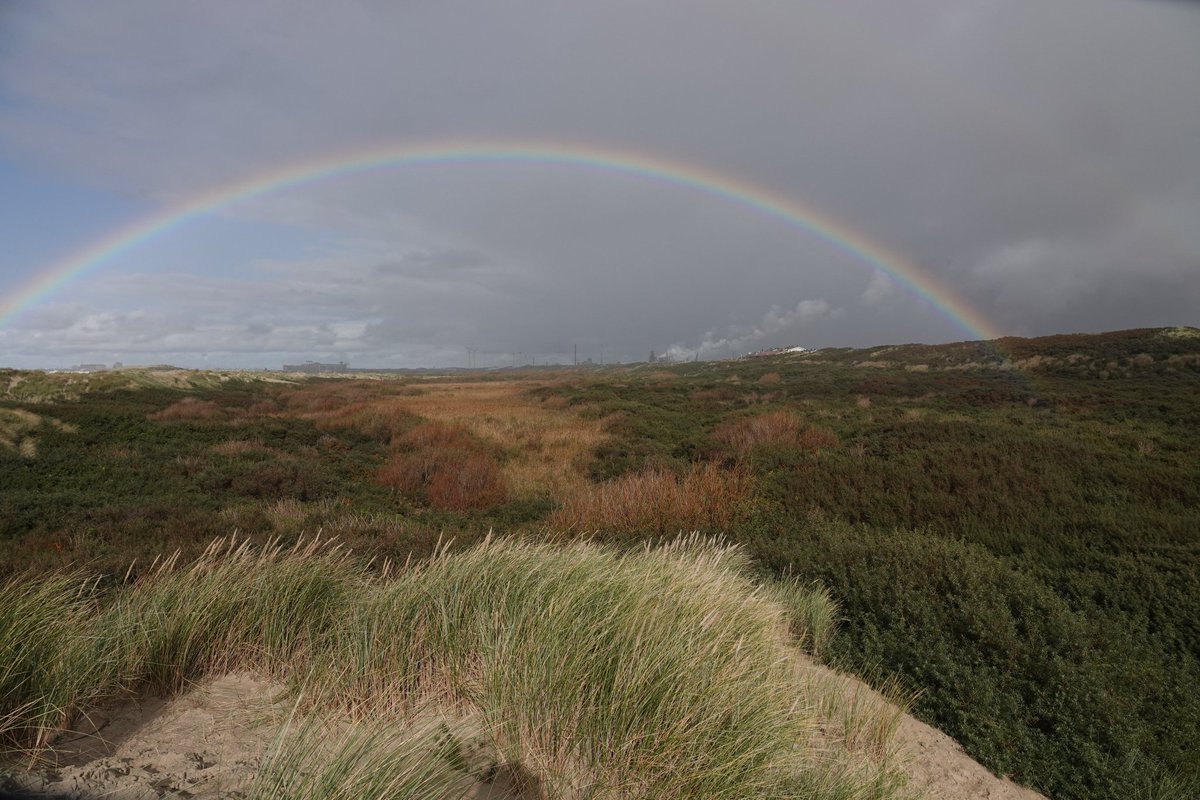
<point x="597" y="669"/>
<point x="812" y="610"/>
<point x="651" y="673"/>
<point x="50" y="662"/>
<point x="234" y="607"/>
<point x="318" y="758"/>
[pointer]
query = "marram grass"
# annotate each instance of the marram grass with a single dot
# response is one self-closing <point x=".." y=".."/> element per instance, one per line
<point x="662" y="672"/>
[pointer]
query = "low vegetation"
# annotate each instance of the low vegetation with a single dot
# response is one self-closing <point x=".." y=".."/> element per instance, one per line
<point x="1009" y="529"/>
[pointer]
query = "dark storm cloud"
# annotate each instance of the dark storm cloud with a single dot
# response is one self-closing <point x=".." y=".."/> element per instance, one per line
<point x="1036" y="158"/>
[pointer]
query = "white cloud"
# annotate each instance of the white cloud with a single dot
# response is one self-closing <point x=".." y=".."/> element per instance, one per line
<point x="737" y="338"/>
<point x="879" y="290"/>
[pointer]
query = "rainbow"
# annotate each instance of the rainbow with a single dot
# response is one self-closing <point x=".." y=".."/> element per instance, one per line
<point x="684" y="176"/>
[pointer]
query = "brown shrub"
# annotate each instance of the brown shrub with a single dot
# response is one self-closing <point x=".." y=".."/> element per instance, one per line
<point x="410" y="473"/>
<point x="471" y="482"/>
<point x="720" y="394"/>
<point x="816" y="439"/>
<point x="706" y="498"/>
<point x="774" y="429"/>
<point x="447" y="478"/>
<point x="769" y="379"/>
<point x="186" y="409"/>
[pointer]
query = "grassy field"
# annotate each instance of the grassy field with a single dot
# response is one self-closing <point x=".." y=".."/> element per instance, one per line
<point x="1011" y="530"/>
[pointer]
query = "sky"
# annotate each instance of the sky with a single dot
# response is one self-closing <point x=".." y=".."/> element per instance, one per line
<point x="1031" y="165"/>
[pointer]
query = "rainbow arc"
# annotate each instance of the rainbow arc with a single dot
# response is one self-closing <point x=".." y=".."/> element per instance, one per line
<point x="756" y="199"/>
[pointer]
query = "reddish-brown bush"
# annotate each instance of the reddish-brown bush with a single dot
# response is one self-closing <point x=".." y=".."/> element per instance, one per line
<point x="410" y="473"/>
<point x="471" y="482"/>
<point x="447" y="478"/>
<point x="186" y="409"/>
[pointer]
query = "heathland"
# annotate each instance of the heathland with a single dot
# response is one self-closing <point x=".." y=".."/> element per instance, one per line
<point x="1007" y="532"/>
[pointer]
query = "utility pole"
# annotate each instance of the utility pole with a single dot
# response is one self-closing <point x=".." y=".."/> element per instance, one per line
<point x="577" y="355"/>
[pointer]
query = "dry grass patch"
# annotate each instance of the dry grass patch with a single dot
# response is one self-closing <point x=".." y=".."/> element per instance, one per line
<point x="380" y="419"/>
<point x="773" y="429"/>
<point x="706" y="498"/>
<point x="545" y="443"/>
<point x="437" y="435"/>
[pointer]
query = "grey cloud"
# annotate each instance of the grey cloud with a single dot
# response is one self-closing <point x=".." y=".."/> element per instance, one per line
<point x="425" y="263"/>
<point x="1038" y="158"/>
<point x="879" y="289"/>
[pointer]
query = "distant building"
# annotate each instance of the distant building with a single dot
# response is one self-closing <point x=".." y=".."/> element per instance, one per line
<point x="316" y="367"/>
<point x="91" y="368"/>
<point x="777" y="351"/>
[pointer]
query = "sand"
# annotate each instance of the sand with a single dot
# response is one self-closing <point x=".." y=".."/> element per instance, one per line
<point x="209" y="742"/>
<point x="938" y="767"/>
